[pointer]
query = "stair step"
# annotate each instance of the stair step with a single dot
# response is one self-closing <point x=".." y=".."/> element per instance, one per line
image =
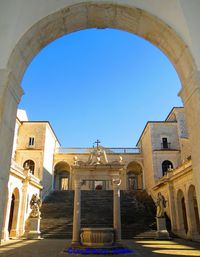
<point x="96" y="211"/>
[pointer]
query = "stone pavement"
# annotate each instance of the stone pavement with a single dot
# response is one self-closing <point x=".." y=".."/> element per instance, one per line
<point x="141" y="248"/>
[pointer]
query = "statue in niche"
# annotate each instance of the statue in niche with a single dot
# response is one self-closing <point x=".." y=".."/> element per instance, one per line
<point x="161" y="205"/>
<point x="35" y="204"/>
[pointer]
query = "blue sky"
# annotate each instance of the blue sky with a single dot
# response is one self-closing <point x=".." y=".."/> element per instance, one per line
<point x="103" y="84"/>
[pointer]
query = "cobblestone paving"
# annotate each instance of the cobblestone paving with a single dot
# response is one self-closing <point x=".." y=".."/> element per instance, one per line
<point x="142" y="248"/>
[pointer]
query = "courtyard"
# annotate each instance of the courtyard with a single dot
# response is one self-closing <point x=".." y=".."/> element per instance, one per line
<point x="140" y="248"/>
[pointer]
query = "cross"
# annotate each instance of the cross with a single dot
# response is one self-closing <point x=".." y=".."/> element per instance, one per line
<point x="97" y="142"/>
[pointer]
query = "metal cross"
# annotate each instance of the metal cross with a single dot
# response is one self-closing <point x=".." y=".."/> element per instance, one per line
<point x="97" y="142"/>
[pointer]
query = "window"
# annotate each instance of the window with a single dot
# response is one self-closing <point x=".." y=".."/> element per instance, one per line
<point x="31" y="141"/>
<point x="30" y="165"/>
<point x="166" y="166"/>
<point x="165" y="143"/>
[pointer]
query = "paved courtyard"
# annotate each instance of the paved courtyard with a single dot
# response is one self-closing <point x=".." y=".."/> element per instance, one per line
<point x="142" y="248"/>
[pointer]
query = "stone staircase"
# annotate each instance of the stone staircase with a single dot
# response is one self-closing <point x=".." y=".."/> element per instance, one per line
<point x="57" y="215"/>
<point x="137" y="213"/>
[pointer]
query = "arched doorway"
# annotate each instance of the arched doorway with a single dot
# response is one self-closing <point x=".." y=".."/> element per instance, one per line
<point x="182" y="215"/>
<point x="11" y="213"/>
<point x="14" y="214"/>
<point x="62" y="176"/>
<point x="193" y="211"/>
<point x="101" y="15"/>
<point x="134" y="176"/>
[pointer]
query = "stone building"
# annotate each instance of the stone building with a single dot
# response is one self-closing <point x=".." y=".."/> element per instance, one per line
<point x="28" y="26"/>
<point x="166" y="151"/>
<point x="161" y="162"/>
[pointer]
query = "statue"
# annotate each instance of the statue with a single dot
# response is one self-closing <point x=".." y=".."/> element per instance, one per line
<point x="161" y="205"/>
<point x="162" y="232"/>
<point x="120" y="159"/>
<point x="96" y="156"/>
<point x="35" y="204"/>
<point x="75" y="160"/>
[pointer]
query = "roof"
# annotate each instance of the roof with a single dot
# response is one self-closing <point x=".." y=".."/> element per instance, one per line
<point x="172" y="110"/>
<point x="165" y="121"/>
<point x="153" y="122"/>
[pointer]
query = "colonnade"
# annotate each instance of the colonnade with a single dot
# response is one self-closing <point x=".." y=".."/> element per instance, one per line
<point x="187" y="217"/>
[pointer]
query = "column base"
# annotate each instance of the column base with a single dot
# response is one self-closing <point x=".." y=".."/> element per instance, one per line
<point x="5" y="235"/>
<point x="195" y="236"/>
<point x="14" y="233"/>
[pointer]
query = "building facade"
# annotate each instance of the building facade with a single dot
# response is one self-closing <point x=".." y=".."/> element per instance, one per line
<point x="161" y="162"/>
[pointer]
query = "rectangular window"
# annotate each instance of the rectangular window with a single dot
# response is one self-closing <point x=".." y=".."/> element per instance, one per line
<point x="165" y="143"/>
<point x="31" y="141"/>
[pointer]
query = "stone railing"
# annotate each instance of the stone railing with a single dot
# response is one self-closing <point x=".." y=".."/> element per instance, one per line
<point x="17" y="166"/>
<point x="113" y="150"/>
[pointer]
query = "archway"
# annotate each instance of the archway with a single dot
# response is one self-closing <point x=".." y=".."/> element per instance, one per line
<point x="134" y="176"/>
<point x="166" y="166"/>
<point x="62" y="176"/>
<point x="100" y="15"/>
<point x="193" y="211"/>
<point x="182" y="216"/>
<point x="30" y="165"/>
<point x="14" y="214"/>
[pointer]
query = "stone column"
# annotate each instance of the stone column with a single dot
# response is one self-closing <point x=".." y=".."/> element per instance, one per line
<point x="10" y="94"/>
<point x="190" y="94"/>
<point x="191" y="219"/>
<point x="77" y="212"/>
<point x="23" y="206"/>
<point x="180" y="231"/>
<point x="116" y="209"/>
<point x="172" y="207"/>
<point x="5" y="234"/>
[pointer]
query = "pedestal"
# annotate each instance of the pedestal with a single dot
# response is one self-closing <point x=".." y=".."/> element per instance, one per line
<point x="162" y="232"/>
<point x="33" y="228"/>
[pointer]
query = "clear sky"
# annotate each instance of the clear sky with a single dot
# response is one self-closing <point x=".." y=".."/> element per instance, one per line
<point x="103" y="84"/>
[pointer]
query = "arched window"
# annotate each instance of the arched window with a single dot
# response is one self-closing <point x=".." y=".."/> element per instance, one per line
<point x="166" y="165"/>
<point x="30" y="164"/>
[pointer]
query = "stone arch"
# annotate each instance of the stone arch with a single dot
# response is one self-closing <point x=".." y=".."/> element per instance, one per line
<point x="5" y="233"/>
<point x="101" y="15"/>
<point x="166" y="166"/>
<point x="89" y="14"/>
<point x="62" y="176"/>
<point x="14" y="213"/>
<point x="30" y="164"/>
<point x="181" y="213"/>
<point x="193" y="214"/>
<point x="134" y="176"/>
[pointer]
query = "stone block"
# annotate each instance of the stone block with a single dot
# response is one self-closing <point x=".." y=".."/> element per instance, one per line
<point x="162" y="232"/>
<point x="33" y="228"/>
